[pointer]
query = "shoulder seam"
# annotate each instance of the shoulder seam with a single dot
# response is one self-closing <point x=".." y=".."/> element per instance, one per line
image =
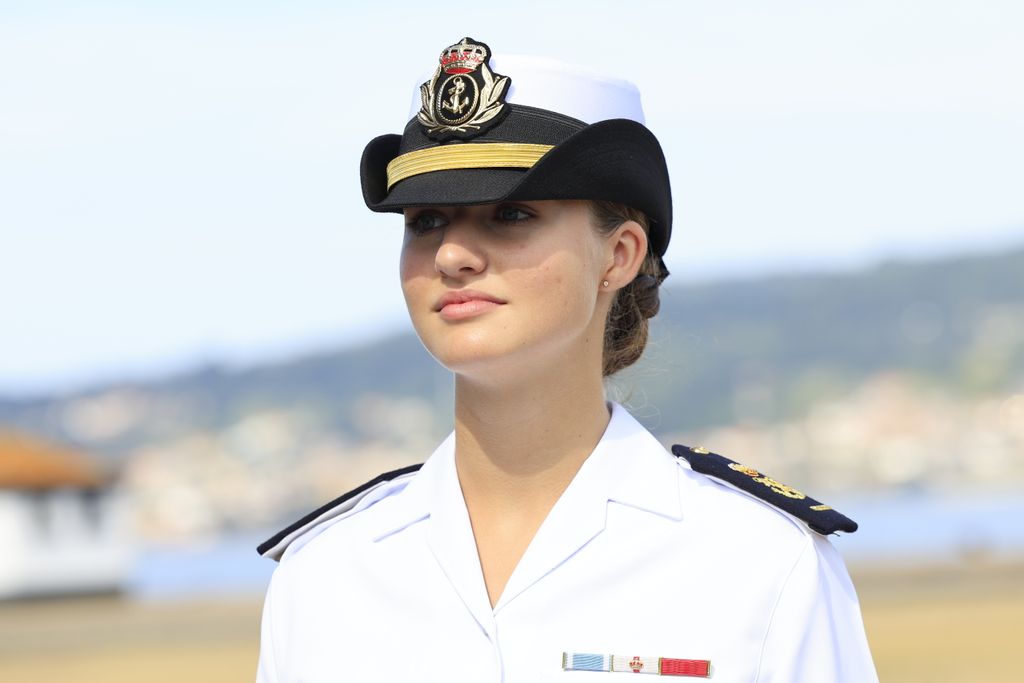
<point x="808" y="541"/>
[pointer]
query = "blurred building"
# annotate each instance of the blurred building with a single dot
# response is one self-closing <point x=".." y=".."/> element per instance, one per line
<point x="62" y="522"/>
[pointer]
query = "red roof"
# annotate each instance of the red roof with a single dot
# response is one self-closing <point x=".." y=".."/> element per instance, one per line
<point x="28" y="462"/>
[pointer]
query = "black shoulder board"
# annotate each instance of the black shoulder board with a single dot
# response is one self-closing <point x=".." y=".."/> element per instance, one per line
<point x="820" y="518"/>
<point x="274" y="546"/>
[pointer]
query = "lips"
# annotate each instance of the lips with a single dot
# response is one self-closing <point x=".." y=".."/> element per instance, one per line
<point x="465" y="303"/>
<point x="462" y="296"/>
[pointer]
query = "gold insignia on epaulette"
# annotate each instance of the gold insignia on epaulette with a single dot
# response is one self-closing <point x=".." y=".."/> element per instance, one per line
<point x="699" y="449"/>
<point x="749" y="471"/>
<point x="776" y="486"/>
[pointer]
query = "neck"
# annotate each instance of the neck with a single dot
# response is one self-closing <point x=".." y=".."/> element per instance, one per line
<point x="519" y="445"/>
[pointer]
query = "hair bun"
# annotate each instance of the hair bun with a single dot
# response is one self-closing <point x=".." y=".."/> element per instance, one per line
<point x="645" y="292"/>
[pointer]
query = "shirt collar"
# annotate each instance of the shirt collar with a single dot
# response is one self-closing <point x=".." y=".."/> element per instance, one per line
<point x="638" y="470"/>
<point x="628" y="466"/>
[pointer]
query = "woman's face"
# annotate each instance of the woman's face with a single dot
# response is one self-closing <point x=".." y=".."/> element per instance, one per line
<point x="491" y="287"/>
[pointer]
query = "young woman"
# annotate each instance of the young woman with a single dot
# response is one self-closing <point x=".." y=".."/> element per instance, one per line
<point x="550" y="537"/>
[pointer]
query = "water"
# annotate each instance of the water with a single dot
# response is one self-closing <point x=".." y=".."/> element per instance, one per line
<point x="893" y="530"/>
<point x="228" y="566"/>
<point x="926" y="527"/>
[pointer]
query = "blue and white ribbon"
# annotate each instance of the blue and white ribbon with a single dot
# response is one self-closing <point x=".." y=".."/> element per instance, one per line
<point x="582" y="661"/>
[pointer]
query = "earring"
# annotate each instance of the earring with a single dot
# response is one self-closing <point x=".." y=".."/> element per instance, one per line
<point x="604" y="284"/>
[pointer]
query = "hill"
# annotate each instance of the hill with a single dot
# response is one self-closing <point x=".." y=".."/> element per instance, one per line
<point x="762" y="349"/>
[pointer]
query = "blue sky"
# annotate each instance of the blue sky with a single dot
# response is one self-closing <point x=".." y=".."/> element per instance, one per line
<point x="179" y="181"/>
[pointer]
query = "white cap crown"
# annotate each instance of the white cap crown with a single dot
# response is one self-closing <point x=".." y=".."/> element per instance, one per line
<point x="564" y="88"/>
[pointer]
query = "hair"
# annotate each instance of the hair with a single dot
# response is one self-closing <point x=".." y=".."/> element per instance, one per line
<point x="626" y="328"/>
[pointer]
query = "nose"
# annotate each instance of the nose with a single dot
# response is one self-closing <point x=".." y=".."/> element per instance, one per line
<point x="460" y="253"/>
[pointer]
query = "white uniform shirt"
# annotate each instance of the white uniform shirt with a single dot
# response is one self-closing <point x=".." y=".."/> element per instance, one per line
<point x="640" y="556"/>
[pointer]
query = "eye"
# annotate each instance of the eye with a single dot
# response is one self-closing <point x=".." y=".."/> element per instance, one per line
<point x="512" y="215"/>
<point x="425" y="221"/>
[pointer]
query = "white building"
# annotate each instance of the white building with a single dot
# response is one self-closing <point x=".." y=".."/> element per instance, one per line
<point x="62" y="523"/>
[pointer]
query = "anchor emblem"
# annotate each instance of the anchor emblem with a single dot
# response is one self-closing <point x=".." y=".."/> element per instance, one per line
<point x="455" y="104"/>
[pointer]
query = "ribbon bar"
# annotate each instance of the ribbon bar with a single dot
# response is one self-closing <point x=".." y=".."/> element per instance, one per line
<point x="659" y="666"/>
<point x="579" y="661"/>
<point x="685" y="667"/>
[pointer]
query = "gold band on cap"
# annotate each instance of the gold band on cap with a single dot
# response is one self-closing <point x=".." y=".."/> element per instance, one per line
<point x="465" y="155"/>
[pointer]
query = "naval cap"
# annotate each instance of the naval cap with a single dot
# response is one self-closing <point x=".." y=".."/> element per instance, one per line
<point x="532" y="129"/>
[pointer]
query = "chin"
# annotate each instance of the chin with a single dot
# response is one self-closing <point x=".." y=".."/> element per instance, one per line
<point x="502" y="358"/>
<point x="503" y="348"/>
<point x="470" y="356"/>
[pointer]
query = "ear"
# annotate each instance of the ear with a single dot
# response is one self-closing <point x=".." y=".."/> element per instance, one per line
<point x="626" y="249"/>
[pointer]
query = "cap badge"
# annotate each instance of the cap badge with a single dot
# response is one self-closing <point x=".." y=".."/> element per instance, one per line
<point x="464" y="97"/>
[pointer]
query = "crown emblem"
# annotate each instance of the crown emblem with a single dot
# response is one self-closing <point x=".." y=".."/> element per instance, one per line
<point x="636" y="665"/>
<point x="464" y="97"/>
<point x="463" y="57"/>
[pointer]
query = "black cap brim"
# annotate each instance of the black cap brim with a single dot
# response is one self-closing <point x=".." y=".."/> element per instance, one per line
<point x="617" y="160"/>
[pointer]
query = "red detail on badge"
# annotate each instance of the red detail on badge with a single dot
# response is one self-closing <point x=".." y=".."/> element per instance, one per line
<point x="685" y="667"/>
<point x="635" y="664"/>
<point x="463" y="58"/>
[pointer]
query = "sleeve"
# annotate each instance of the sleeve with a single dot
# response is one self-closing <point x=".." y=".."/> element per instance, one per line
<point x="267" y="671"/>
<point x="816" y="632"/>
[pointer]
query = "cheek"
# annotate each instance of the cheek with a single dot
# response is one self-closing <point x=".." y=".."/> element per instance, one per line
<point x="415" y="267"/>
<point x="404" y="272"/>
<point x="417" y="260"/>
<point x="407" y="261"/>
<point x="563" y="284"/>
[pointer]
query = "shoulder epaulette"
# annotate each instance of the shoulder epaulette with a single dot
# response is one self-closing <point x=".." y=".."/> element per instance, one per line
<point x="274" y="546"/>
<point x="820" y="518"/>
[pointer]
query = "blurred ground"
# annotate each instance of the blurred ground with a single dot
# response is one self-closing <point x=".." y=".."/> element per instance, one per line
<point x="937" y="624"/>
<point x="950" y="624"/>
